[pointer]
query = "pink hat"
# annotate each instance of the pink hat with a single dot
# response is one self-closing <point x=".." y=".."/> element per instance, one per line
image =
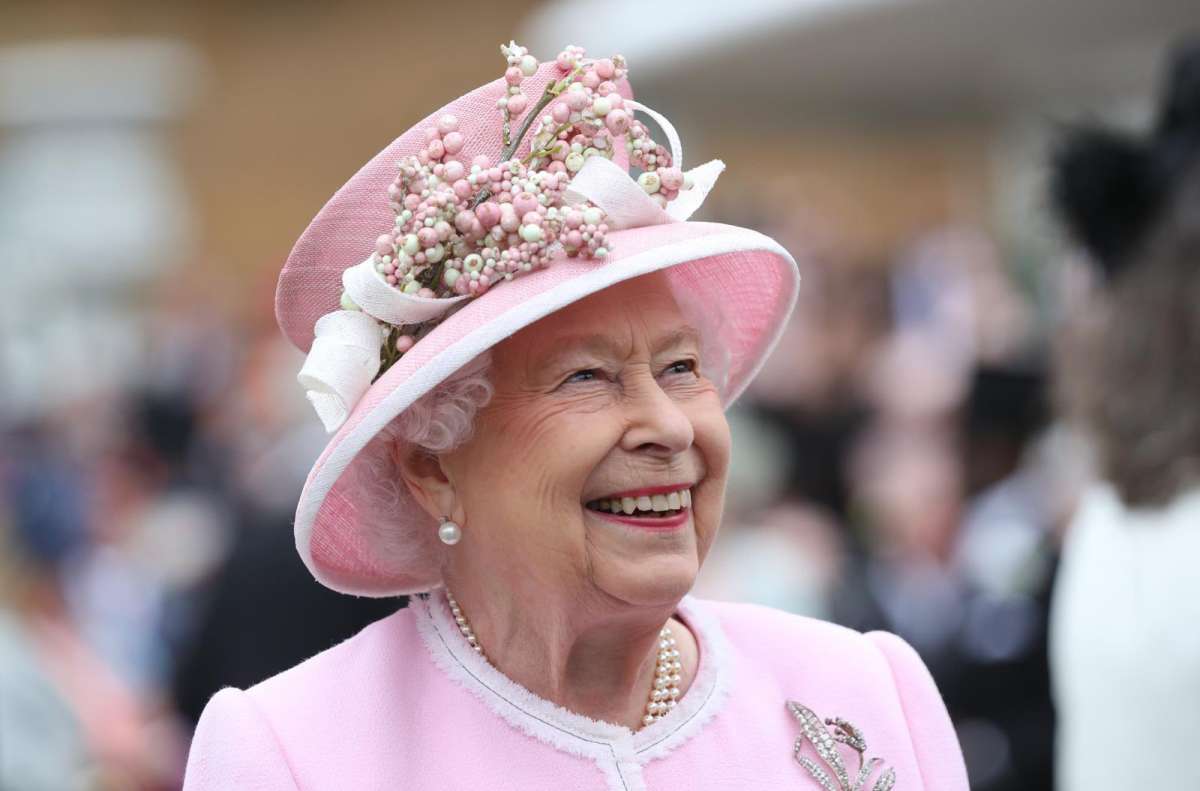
<point x="361" y="292"/>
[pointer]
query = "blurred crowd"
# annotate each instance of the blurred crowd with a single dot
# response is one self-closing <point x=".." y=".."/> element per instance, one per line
<point x="896" y="468"/>
<point x="147" y="555"/>
<point x="899" y="465"/>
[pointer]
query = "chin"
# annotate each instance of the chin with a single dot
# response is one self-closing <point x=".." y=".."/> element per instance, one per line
<point x="643" y="565"/>
<point x="655" y="581"/>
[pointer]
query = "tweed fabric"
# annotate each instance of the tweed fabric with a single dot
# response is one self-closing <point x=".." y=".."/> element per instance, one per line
<point x="408" y="704"/>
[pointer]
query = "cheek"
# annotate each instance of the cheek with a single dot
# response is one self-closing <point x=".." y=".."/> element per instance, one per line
<point x="714" y="443"/>
<point x="712" y="437"/>
<point x="539" y="453"/>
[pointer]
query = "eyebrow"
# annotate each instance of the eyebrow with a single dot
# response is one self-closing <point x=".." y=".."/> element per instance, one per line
<point x="685" y="334"/>
<point x="601" y="345"/>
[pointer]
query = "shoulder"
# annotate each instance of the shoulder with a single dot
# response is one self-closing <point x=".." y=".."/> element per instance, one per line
<point x="776" y="640"/>
<point x="234" y="746"/>
<point x="787" y="634"/>
<point x="1101" y="511"/>
<point x="1111" y="549"/>
<point x="248" y="738"/>
<point x="341" y="669"/>
<point x="874" y="677"/>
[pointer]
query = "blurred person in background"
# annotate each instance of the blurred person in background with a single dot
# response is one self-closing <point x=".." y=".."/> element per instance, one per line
<point x="269" y="445"/>
<point x="951" y="529"/>
<point x="135" y="528"/>
<point x="1126" y="647"/>
<point x="71" y="715"/>
<point x="787" y="504"/>
<point x="810" y="397"/>
<point x="900" y="436"/>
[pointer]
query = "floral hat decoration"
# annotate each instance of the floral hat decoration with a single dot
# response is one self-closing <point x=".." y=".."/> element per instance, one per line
<point x="506" y="205"/>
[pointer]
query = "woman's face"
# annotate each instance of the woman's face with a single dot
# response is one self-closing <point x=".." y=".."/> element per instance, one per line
<point x="601" y="405"/>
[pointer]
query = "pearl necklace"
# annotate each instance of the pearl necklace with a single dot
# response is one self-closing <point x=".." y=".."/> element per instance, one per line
<point x="668" y="669"/>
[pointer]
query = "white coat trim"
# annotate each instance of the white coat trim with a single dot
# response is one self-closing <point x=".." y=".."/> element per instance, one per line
<point x="620" y="753"/>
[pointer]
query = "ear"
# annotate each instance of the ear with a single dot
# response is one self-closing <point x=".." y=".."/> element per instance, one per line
<point x="426" y="479"/>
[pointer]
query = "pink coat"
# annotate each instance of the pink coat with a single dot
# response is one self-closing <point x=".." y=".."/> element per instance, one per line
<point x="406" y="704"/>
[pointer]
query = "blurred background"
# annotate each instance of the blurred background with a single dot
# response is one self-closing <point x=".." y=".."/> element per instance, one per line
<point x="899" y="463"/>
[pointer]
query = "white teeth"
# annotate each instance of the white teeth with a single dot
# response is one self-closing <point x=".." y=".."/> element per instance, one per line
<point x="673" y="501"/>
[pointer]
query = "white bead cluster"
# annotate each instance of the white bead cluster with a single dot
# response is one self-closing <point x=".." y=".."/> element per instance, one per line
<point x="668" y="670"/>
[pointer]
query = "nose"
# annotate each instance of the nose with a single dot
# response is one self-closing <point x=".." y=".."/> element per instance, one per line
<point x="657" y="424"/>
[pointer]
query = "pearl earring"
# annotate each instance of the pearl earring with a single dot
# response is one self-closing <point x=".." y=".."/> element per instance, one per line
<point x="449" y="532"/>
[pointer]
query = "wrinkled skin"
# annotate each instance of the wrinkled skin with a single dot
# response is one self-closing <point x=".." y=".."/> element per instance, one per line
<point x="606" y="395"/>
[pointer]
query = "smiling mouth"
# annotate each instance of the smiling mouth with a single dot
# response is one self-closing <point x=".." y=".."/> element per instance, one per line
<point x="660" y="506"/>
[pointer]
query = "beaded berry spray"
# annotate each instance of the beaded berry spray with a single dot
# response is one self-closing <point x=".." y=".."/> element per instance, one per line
<point x="461" y="229"/>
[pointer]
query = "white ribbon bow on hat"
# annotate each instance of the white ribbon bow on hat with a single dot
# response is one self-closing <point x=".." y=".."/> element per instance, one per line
<point x="344" y="357"/>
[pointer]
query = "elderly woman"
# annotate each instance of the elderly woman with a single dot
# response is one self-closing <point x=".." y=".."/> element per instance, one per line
<point x="527" y="379"/>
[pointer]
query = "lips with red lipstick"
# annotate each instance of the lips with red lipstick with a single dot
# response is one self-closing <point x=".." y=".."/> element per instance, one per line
<point x="652" y="502"/>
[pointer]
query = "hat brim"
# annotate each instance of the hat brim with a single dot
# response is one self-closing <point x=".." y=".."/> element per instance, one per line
<point x="740" y="274"/>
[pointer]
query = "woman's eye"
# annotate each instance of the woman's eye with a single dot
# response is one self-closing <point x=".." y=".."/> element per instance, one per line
<point x="681" y="367"/>
<point x="586" y="375"/>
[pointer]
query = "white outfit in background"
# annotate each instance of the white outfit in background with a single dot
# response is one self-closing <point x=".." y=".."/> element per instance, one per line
<point x="1125" y="646"/>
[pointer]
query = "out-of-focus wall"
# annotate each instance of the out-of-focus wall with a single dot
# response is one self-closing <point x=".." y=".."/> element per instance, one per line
<point x="296" y="96"/>
<point x="860" y="193"/>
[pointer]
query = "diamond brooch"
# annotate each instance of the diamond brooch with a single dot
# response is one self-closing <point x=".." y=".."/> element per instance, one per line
<point x="824" y="737"/>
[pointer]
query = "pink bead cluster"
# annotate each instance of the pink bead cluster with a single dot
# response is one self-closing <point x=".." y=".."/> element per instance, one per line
<point x="459" y="233"/>
<point x="460" y="230"/>
<point x="590" y="115"/>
